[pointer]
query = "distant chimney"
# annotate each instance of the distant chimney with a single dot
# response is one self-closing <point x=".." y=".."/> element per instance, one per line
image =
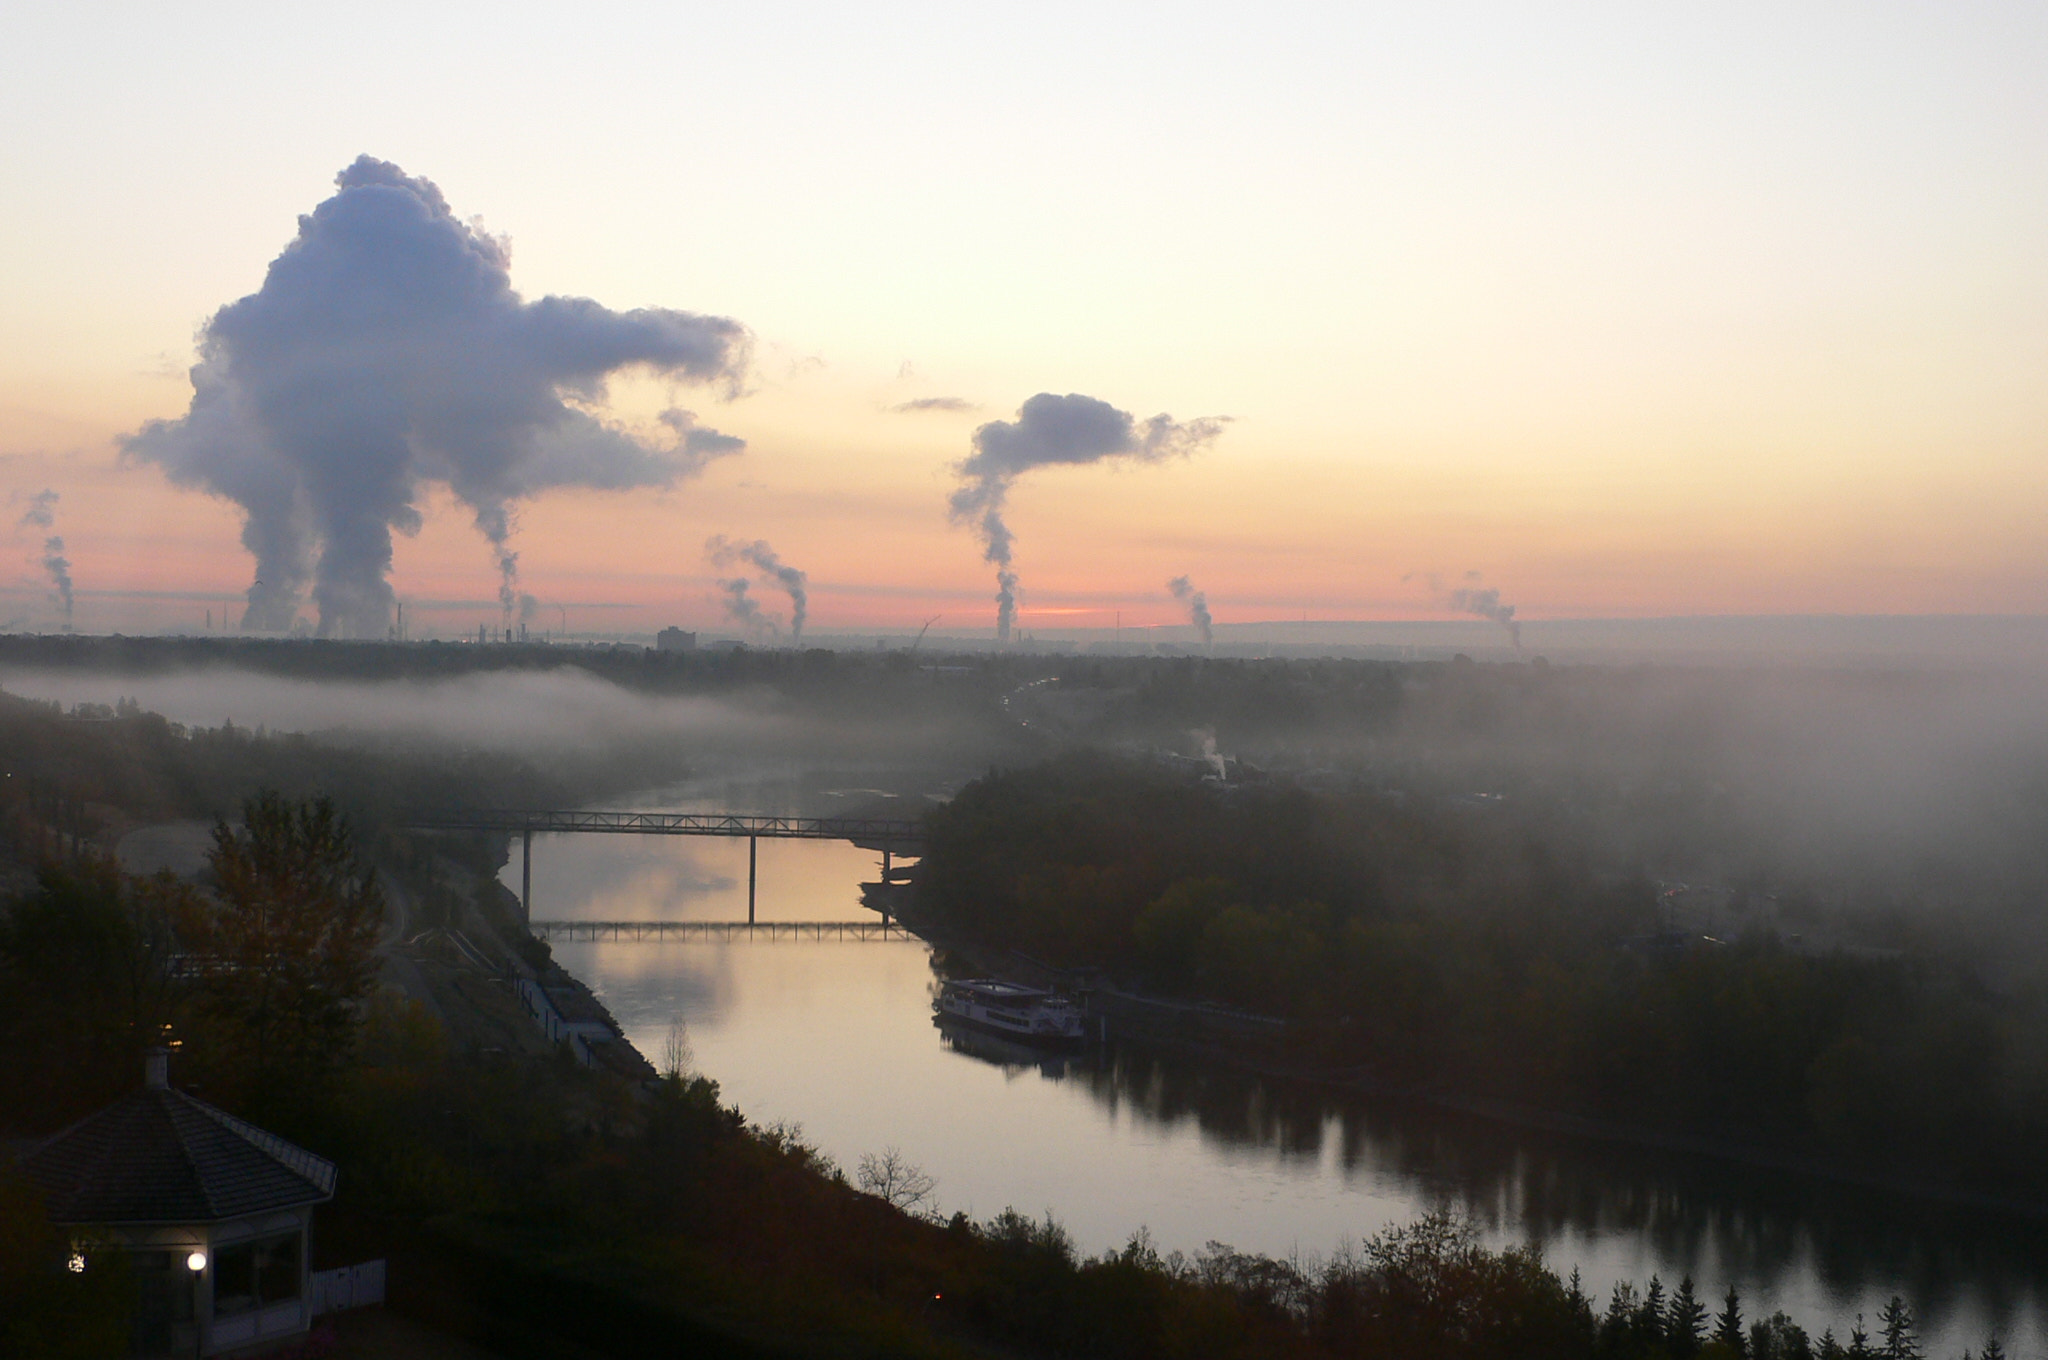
<point x="156" y="1069"/>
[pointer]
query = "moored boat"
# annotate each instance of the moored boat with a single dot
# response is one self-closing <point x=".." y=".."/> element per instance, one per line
<point x="1026" y="1015"/>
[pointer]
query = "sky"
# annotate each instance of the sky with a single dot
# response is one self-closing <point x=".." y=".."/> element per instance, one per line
<point x="1619" y="311"/>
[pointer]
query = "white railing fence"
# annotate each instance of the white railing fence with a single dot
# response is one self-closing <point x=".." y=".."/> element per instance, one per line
<point x="349" y="1287"/>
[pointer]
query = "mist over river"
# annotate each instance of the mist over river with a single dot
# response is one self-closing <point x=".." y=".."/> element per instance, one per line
<point x="838" y="1037"/>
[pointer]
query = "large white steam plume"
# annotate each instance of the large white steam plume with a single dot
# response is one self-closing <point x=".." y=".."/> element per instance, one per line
<point x="387" y="351"/>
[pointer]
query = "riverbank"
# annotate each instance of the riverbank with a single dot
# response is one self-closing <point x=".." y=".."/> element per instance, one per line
<point x="1258" y="1045"/>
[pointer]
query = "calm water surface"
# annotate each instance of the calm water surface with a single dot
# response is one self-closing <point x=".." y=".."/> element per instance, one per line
<point x="839" y="1038"/>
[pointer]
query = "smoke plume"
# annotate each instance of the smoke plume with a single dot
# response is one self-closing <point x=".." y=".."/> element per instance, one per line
<point x="1053" y="430"/>
<point x="1198" y="605"/>
<point x="42" y="514"/>
<point x="951" y="405"/>
<point x="387" y="351"/>
<point x="59" y="567"/>
<point x="741" y="608"/>
<point x="725" y="553"/>
<point x="1485" y="603"/>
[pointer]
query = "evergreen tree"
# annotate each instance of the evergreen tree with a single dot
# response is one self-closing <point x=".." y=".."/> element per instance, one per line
<point x="1685" y="1323"/>
<point x="1616" y="1335"/>
<point x="1581" y="1307"/>
<point x="1992" y="1350"/>
<point x="1859" y="1341"/>
<point x="1650" y="1317"/>
<point x="1899" y="1341"/>
<point x="1728" y="1324"/>
<point x="1831" y="1349"/>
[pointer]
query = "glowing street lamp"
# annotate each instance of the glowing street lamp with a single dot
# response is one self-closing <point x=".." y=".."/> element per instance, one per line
<point x="196" y="1262"/>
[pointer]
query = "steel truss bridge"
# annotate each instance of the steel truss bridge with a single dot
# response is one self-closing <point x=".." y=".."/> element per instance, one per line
<point x="720" y="930"/>
<point x="890" y="835"/>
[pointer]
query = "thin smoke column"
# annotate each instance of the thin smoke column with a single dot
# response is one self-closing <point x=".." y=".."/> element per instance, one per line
<point x="42" y="514"/>
<point x="386" y="352"/>
<point x="741" y="608"/>
<point x="1198" y="605"/>
<point x="1052" y="430"/>
<point x="1485" y="603"/>
<point x="723" y="552"/>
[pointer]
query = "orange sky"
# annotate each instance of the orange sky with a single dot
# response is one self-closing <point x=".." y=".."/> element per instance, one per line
<point x="1631" y="315"/>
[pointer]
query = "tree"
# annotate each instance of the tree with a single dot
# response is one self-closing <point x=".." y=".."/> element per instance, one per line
<point x="1779" y="1338"/>
<point x="88" y="982"/>
<point x="290" y="948"/>
<point x="1728" y="1324"/>
<point x="1650" y="1318"/>
<point x="891" y="1176"/>
<point x="1899" y="1341"/>
<point x="1685" y="1323"/>
<point x="57" y="1301"/>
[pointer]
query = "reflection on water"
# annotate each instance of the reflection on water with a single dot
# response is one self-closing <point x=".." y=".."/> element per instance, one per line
<point x="839" y="1037"/>
<point x="692" y="878"/>
<point x="1007" y="1054"/>
<point x="1833" y="1249"/>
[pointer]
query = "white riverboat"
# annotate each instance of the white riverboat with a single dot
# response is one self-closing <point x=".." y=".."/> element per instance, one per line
<point x="1026" y="1015"/>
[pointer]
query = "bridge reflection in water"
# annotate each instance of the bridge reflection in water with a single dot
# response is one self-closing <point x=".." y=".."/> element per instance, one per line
<point x="720" y="930"/>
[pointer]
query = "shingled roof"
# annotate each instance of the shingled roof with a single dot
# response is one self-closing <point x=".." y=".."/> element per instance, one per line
<point x="159" y="1156"/>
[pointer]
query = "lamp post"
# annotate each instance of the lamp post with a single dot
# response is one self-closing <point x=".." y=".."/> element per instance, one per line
<point x="195" y="1262"/>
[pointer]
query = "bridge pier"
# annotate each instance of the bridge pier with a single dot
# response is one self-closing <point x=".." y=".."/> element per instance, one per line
<point x="753" y="864"/>
<point x="526" y="876"/>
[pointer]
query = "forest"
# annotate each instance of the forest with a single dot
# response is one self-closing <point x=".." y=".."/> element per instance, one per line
<point x="1448" y="950"/>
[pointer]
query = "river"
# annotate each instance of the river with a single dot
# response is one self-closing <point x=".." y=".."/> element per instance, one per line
<point x="838" y="1038"/>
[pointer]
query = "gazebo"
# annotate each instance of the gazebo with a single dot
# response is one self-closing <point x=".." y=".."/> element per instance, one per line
<point x="212" y="1212"/>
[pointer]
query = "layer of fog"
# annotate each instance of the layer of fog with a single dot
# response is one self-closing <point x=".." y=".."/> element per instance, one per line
<point x="532" y="714"/>
<point x="1900" y="790"/>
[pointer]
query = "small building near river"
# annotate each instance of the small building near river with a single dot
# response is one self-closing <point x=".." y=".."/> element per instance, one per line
<point x="212" y="1212"/>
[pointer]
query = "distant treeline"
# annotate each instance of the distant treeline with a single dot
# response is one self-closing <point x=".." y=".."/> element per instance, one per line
<point x="1916" y="795"/>
<point x="79" y="771"/>
<point x="633" y="667"/>
<point x="1452" y="952"/>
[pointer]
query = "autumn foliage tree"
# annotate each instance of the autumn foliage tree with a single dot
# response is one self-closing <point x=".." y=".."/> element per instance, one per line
<point x="289" y="948"/>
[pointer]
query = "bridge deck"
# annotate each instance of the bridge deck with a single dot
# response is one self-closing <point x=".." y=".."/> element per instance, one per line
<point x="720" y="930"/>
<point x="877" y="831"/>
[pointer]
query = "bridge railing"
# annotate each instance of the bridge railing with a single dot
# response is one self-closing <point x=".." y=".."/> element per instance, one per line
<point x="720" y="930"/>
<point x="865" y="830"/>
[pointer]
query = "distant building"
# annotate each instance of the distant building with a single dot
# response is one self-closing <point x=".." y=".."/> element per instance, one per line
<point x="675" y="640"/>
<point x="212" y="1213"/>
